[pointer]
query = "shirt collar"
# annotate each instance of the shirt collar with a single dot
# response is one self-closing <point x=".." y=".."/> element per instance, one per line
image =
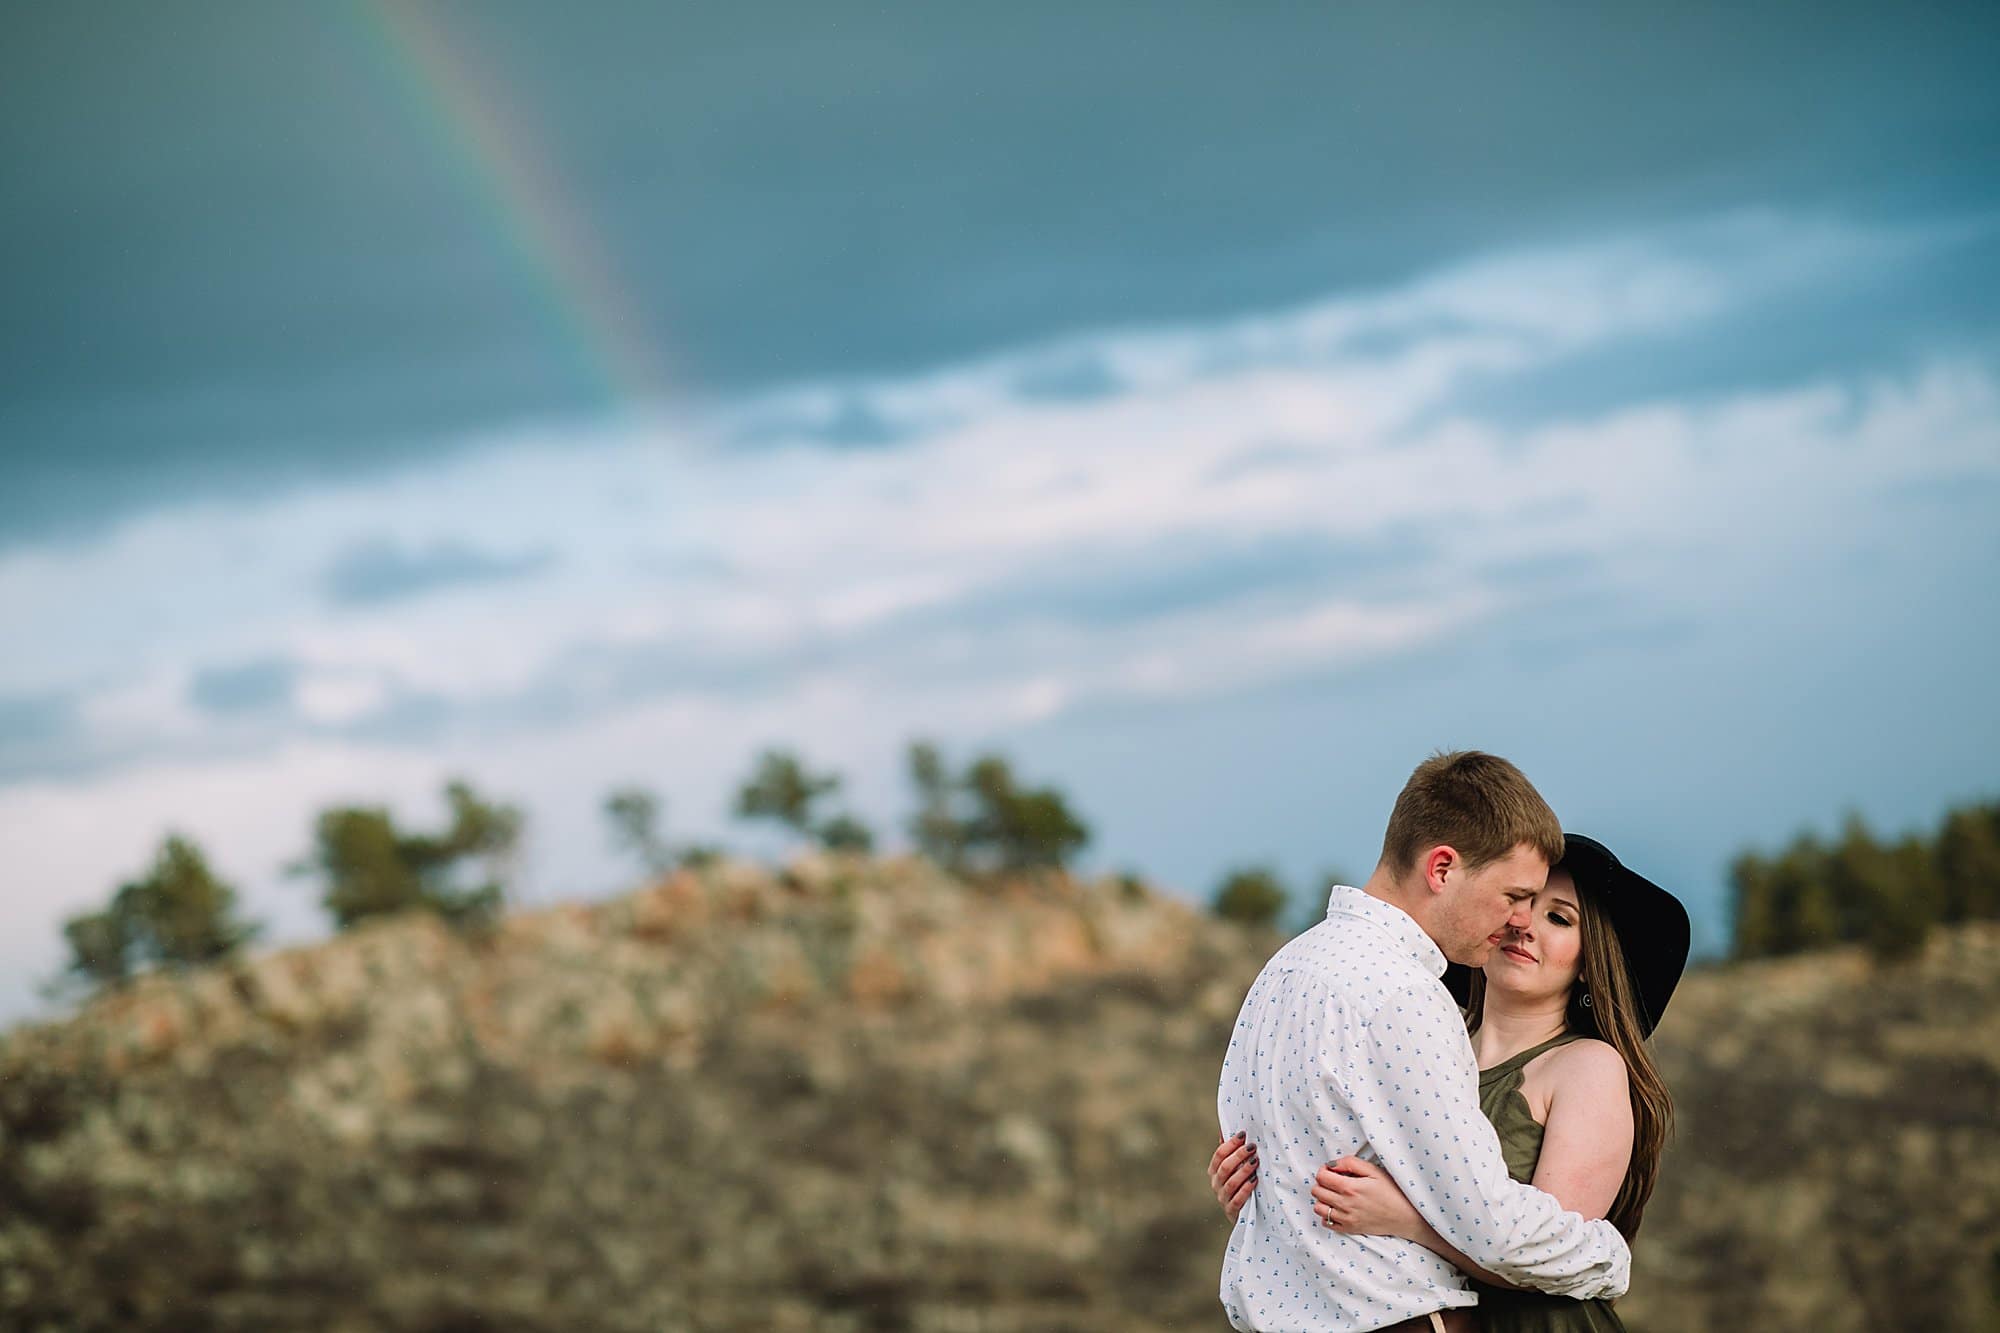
<point x="1344" y="900"/>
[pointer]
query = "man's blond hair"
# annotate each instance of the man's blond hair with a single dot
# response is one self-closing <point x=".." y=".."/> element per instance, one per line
<point x="1478" y="804"/>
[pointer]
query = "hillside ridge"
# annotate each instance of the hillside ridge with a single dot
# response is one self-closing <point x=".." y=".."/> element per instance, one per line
<point x="850" y="1094"/>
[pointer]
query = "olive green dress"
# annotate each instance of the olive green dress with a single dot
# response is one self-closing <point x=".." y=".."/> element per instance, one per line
<point x="1501" y="1310"/>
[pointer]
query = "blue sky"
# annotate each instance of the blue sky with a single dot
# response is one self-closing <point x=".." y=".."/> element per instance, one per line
<point x="1214" y="411"/>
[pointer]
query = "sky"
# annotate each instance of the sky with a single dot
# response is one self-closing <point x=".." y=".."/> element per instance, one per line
<point x="1214" y="409"/>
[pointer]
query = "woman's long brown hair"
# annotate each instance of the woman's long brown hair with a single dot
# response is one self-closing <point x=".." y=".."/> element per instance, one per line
<point x="1612" y="1016"/>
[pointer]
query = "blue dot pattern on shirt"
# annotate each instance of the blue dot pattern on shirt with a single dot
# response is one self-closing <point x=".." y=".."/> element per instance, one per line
<point x="1348" y="1042"/>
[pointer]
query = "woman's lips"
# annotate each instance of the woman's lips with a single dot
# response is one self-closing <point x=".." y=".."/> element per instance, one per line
<point x="1524" y="957"/>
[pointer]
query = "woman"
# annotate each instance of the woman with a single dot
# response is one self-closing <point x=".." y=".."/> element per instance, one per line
<point x="1558" y="1020"/>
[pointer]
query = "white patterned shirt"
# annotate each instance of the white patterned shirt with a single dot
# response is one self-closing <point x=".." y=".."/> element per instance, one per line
<point x="1348" y="1042"/>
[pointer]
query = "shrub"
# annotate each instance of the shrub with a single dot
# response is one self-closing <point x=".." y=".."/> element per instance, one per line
<point x="178" y="915"/>
<point x="1251" y="897"/>
<point x="372" y="868"/>
<point x="1813" y="893"/>
<point x="986" y="821"/>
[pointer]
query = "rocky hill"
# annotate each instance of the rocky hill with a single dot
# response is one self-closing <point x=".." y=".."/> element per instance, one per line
<point x="865" y="1096"/>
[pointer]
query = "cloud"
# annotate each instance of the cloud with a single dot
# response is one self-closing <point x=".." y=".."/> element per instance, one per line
<point x="1661" y="576"/>
<point x="1966" y="491"/>
<point x="1286" y="496"/>
<point x="833" y="418"/>
<point x="34" y="719"/>
<point x="1159" y="579"/>
<point x="1066" y="377"/>
<point x="1501" y="316"/>
<point x="380" y="571"/>
<point x="251" y="687"/>
<point x="38" y="732"/>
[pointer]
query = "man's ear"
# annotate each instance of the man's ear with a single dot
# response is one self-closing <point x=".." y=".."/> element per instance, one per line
<point x="1437" y="862"/>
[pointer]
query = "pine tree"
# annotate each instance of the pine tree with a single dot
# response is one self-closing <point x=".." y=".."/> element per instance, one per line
<point x="179" y="914"/>
<point x="372" y="868"/>
<point x="785" y="790"/>
<point x="1252" y="896"/>
<point x="635" y="816"/>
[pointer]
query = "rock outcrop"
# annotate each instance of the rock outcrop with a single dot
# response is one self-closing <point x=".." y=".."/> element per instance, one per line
<point x="863" y="1095"/>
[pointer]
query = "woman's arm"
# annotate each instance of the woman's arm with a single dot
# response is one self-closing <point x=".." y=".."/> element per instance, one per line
<point x="1586" y="1146"/>
<point x="1232" y="1173"/>
<point x="1587" y="1143"/>
<point x="1360" y="1198"/>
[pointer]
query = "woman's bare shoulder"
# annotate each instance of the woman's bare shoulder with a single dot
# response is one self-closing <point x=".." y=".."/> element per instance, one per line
<point x="1586" y="1067"/>
<point x="1584" y="1063"/>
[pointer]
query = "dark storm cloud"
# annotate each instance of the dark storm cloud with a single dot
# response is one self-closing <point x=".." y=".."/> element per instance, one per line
<point x="1883" y="315"/>
<point x="249" y="253"/>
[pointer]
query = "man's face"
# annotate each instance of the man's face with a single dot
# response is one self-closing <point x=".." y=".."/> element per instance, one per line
<point x="1480" y="906"/>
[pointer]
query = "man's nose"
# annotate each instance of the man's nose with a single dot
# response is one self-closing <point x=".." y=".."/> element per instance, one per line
<point x="1520" y="917"/>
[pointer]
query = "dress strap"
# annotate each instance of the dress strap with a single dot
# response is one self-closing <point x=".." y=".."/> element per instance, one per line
<point x="1520" y="1058"/>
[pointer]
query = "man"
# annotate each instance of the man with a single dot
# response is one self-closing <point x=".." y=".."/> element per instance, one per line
<point x="1348" y="1042"/>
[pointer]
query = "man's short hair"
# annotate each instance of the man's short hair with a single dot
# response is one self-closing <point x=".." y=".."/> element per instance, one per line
<point x="1478" y="804"/>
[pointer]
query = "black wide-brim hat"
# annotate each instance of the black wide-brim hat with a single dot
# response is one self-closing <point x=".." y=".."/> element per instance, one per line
<point x="1652" y="927"/>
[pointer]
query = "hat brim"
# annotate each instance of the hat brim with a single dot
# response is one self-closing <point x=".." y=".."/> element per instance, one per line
<point x="1653" y="928"/>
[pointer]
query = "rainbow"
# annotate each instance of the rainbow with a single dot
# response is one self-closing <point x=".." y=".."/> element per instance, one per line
<point x="563" y="262"/>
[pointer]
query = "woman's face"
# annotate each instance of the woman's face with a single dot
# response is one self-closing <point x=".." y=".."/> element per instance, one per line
<point x="1542" y="960"/>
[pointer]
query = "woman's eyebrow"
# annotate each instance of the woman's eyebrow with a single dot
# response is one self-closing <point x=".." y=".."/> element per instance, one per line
<point x="1563" y="902"/>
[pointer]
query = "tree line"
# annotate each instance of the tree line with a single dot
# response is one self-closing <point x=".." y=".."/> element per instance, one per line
<point x="977" y="821"/>
<point x="1859" y="887"/>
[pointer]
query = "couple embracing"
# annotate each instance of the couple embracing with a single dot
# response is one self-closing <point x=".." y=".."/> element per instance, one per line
<point x="1438" y="1109"/>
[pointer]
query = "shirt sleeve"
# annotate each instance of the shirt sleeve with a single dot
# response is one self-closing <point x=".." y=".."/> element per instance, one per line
<point x="1409" y="1077"/>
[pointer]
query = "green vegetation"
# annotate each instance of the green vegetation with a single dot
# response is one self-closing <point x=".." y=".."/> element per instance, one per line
<point x="978" y="822"/>
<point x="698" y="854"/>
<point x="936" y="828"/>
<point x="415" y="1134"/>
<point x="634" y="813"/>
<point x="1815" y="893"/>
<point x="1252" y="896"/>
<point x="1132" y="887"/>
<point x="783" y="789"/>
<point x="635" y="816"/>
<point x="986" y="822"/>
<point x="845" y="833"/>
<point x="1019" y="828"/>
<point x="371" y="867"/>
<point x="178" y="915"/>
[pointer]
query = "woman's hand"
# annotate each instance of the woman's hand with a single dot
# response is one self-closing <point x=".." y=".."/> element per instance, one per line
<point x="1232" y="1174"/>
<point x="1360" y="1198"/>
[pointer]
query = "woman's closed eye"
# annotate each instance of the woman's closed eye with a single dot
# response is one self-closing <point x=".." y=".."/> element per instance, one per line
<point x="1558" y="918"/>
